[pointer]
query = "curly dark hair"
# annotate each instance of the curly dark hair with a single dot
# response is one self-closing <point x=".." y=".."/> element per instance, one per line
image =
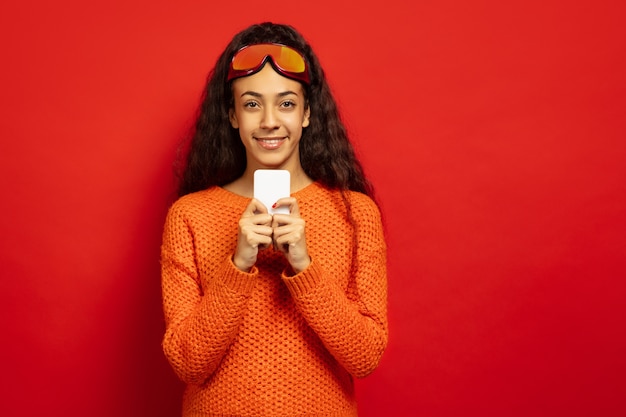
<point x="216" y="155"/>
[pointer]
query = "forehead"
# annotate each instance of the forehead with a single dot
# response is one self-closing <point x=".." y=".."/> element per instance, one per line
<point x="266" y="82"/>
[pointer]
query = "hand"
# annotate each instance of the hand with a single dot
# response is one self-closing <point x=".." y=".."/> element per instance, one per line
<point x="255" y="233"/>
<point x="289" y="235"/>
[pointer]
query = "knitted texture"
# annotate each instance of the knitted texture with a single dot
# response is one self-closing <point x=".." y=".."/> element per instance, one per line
<point x="268" y="342"/>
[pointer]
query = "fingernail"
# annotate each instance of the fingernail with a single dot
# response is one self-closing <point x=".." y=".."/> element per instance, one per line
<point x="274" y="205"/>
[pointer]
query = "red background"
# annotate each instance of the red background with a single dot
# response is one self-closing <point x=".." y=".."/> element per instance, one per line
<point x="494" y="133"/>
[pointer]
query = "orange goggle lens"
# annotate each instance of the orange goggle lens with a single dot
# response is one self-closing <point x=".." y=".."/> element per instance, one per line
<point x="285" y="60"/>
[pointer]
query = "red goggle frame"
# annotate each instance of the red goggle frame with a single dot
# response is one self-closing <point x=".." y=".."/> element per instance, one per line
<point x="284" y="59"/>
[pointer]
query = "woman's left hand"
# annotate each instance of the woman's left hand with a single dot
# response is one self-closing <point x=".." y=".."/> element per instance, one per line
<point x="289" y="236"/>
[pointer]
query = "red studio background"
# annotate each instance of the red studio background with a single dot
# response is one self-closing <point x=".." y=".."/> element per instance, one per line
<point x="493" y="131"/>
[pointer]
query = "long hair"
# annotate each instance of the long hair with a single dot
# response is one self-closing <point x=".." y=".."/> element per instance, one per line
<point x="216" y="155"/>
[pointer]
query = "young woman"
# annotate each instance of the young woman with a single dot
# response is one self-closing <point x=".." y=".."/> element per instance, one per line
<point x="272" y="315"/>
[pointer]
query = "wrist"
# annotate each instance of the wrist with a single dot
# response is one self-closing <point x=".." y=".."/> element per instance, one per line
<point x="301" y="266"/>
<point x="242" y="266"/>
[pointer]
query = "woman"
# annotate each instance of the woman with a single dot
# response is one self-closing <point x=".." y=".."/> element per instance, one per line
<point x="272" y="315"/>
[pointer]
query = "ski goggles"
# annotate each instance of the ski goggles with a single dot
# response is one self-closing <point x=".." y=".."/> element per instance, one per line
<point x="284" y="59"/>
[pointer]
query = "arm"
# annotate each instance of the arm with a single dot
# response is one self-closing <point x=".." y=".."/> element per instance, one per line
<point x="200" y="322"/>
<point x="352" y="324"/>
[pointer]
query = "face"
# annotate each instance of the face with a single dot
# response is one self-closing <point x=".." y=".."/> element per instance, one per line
<point x="270" y="112"/>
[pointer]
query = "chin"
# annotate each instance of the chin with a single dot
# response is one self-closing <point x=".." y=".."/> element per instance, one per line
<point x="269" y="163"/>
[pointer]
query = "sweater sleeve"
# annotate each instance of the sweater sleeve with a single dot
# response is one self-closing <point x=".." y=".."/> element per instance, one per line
<point x="200" y="322"/>
<point x="352" y="325"/>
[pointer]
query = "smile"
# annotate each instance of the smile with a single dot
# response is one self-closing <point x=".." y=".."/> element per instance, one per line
<point x="271" y="143"/>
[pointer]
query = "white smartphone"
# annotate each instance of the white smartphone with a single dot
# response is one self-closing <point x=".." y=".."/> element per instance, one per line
<point x="270" y="185"/>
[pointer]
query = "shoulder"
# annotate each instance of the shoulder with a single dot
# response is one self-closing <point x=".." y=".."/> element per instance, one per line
<point x="213" y="199"/>
<point x="360" y="205"/>
<point x="365" y="211"/>
<point x="363" y="202"/>
<point x="211" y="196"/>
<point x="189" y="202"/>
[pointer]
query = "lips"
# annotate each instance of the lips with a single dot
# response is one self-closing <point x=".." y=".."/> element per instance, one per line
<point x="271" y="143"/>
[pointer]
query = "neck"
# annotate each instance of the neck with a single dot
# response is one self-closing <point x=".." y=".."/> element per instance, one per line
<point x="299" y="180"/>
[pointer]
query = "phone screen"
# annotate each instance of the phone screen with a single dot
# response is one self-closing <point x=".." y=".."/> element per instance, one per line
<point x="270" y="185"/>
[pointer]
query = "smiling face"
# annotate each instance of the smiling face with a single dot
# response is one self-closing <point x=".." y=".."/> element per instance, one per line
<point x="270" y="112"/>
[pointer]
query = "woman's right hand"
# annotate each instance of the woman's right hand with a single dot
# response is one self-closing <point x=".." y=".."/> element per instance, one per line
<point x="255" y="233"/>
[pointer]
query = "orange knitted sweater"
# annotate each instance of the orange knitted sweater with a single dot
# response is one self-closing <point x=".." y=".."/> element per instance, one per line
<point x="269" y="342"/>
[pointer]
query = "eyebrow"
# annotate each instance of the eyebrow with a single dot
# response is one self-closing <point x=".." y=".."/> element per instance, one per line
<point x="259" y="95"/>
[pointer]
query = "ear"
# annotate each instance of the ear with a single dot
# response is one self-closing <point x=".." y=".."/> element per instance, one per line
<point x="233" y="119"/>
<point x="307" y="117"/>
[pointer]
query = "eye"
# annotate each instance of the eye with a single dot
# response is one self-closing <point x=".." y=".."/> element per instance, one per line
<point x="288" y="104"/>
<point x="251" y="104"/>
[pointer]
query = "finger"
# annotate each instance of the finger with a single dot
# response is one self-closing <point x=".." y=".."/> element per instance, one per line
<point x="262" y="219"/>
<point x="279" y="220"/>
<point x="259" y="223"/>
<point x="291" y="203"/>
<point x="283" y="224"/>
<point x="254" y="239"/>
<point x="254" y="207"/>
<point x="262" y="242"/>
<point x="289" y="235"/>
<point x="251" y="231"/>
<point x="293" y="237"/>
<point x="294" y="251"/>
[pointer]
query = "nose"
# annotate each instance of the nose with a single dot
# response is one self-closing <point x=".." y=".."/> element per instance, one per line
<point x="269" y="119"/>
